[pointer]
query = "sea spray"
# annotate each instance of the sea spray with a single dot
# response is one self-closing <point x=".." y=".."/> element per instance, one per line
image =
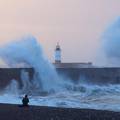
<point x="111" y="42"/>
<point x="28" y="52"/>
<point x="12" y="88"/>
<point x="26" y="83"/>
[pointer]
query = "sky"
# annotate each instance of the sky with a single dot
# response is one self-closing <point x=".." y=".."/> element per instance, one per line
<point x="76" y="24"/>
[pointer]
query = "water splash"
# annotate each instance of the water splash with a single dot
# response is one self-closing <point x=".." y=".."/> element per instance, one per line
<point x="79" y="96"/>
<point x="28" y="52"/>
<point x="111" y="42"/>
<point x="13" y="88"/>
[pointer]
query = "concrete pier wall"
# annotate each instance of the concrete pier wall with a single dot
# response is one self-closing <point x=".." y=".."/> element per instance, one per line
<point x="92" y="75"/>
<point x="8" y="74"/>
<point x="89" y="75"/>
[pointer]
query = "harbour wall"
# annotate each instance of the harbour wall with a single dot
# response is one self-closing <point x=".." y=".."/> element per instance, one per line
<point x="9" y="74"/>
<point x="100" y="76"/>
<point x="92" y="75"/>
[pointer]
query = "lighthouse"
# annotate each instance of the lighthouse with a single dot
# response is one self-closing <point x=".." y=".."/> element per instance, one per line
<point x="58" y="54"/>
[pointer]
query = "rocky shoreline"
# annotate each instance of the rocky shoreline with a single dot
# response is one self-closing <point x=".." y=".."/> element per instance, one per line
<point x="14" y="112"/>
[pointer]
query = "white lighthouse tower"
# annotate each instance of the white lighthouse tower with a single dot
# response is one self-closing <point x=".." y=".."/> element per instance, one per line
<point x="58" y="54"/>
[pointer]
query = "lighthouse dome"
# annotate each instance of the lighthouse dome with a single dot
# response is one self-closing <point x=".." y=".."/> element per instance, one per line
<point x="58" y="47"/>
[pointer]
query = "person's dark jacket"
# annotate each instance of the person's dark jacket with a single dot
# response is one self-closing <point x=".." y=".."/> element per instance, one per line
<point x="25" y="101"/>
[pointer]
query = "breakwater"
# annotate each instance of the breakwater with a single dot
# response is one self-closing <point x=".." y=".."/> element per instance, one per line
<point x="8" y="74"/>
<point x="89" y="75"/>
<point x="92" y="75"/>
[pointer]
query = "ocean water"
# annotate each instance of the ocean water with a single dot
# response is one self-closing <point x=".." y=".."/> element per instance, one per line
<point x="82" y="96"/>
<point x="48" y="88"/>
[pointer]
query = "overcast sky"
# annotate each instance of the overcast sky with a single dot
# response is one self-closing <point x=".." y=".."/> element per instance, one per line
<point x="76" y="24"/>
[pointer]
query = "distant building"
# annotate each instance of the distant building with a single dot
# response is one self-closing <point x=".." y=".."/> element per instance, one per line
<point x="58" y="63"/>
<point x="73" y="65"/>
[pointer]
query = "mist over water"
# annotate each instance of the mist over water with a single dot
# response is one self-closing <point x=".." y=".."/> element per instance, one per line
<point x="56" y="90"/>
<point x="111" y="42"/>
